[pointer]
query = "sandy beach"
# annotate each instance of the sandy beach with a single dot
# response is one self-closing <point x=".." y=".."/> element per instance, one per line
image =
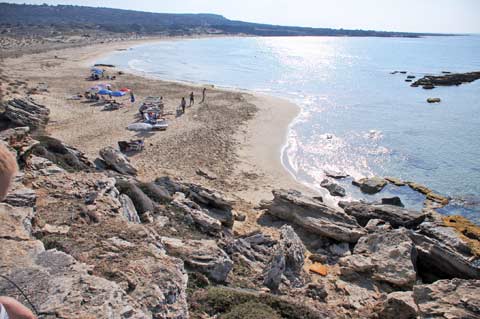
<point x="236" y="136"/>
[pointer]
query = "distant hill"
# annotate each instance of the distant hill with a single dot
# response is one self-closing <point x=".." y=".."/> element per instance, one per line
<point x="147" y="23"/>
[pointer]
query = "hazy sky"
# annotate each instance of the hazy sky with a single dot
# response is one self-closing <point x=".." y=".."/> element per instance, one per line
<point x="452" y="16"/>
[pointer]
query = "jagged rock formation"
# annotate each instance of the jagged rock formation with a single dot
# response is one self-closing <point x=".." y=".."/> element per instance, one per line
<point x="333" y="189"/>
<point x="396" y="216"/>
<point x="25" y="112"/>
<point x="313" y="216"/>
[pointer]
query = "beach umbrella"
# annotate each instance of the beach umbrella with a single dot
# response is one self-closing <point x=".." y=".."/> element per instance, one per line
<point x="118" y="93"/>
<point x="125" y="90"/>
<point x="96" y="71"/>
<point x="104" y="92"/>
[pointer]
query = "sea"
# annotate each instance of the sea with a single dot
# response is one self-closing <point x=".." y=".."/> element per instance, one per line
<point x="356" y="116"/>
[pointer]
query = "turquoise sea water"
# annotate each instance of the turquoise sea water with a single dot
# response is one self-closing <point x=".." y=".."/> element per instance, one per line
<point x="355" y="116"/>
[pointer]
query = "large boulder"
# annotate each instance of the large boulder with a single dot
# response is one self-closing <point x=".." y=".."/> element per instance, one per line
<point x="395" y="215"/>
<point x="454" y="298"/>
<point x="370" y="185"/>
<point x="287" y="260"/>
<point x="117" y="161"/>
<point x="313" y="216"/>
<point x="203" y="256"/>
<point x="25" y="112"/>
<point x="387" y="257"/>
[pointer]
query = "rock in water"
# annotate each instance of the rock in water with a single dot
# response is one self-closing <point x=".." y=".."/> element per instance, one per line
<point x="117" y="161"/>
<point x="25" y="112"/>
<point x="396" y="216"/>
<point x="334" y="189"/>
<point x="395" y="201"/>
<point x="454" y="298"/>
<point x="313" y="216"/>
<point x="387" y="257"/>
<point x="434" y="100"/>
<point x="370" y="185"/>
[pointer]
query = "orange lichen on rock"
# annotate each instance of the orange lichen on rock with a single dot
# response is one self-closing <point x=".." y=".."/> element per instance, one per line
<point x="319" y="269"/>
<point x="468" y="231"/>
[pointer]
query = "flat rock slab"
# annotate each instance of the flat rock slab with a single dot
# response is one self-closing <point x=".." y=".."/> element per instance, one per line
<point x="313" y="216"/>
<point x="371" y="185"/>
<point x="396" y="216"/>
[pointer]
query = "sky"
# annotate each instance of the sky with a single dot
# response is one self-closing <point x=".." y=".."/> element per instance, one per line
<point x="441" y="16"/>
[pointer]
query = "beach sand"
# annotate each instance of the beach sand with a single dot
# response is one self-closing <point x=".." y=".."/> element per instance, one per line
<point x="237" y="136"/>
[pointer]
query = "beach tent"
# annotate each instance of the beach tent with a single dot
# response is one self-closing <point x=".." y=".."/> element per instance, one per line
<point x="104" y="92"/>
<point x="118" y="93"/>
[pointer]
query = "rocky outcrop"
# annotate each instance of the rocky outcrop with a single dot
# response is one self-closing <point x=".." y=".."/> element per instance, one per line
<point x="396" y="216"/>
<point x="454" y="298"/>
<point x="333" y="189"/>
<point x="61" y="154"/>
<point x="447" y="79"/>
<point x="216" y="204"/>
<point x="287" y="260"/>
<point x="313" y="216"/>
<point x="117" y="161"/>
<point x="254" y="248"/>
<point x="371" y="185"/>
<point x="203" y="256"/>
<point x="436" y="260"/>
<point x="25" y="112"/>
<point x="199" y="215"/>
<point x="399" y="305"/>
<point x="387" y="257"/>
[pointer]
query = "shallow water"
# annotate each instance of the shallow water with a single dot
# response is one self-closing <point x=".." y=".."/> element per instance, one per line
<point x="356" y="117"/>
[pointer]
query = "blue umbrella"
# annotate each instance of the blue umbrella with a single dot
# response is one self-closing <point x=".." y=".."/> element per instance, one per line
<point x="118" y="93"/>
<point x="104" y="92"/>
<point x="97" y="71"/>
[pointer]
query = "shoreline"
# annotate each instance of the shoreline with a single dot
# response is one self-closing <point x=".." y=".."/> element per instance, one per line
<point x="257" y="143"/>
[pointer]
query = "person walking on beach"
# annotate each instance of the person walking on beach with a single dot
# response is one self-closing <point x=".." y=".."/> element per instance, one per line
<point x="192" y="99"/>
<point x="203" y="95"/>
<point x="132" y="97"/>
<point x="183" y="104"/>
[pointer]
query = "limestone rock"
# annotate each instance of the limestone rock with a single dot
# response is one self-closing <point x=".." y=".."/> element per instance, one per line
<point x="370" y="185"/>
<point x="25" y="112"/>
<point x="396" y="216"/>
<point x="446" y="235"/>
<point x="387" y="257"/>
<point x="454" y="298"/>
<point x="399" y="305"/>
<point x="215" y="203"/>
<point x="128" y="209"/>
<point x="313" y="216"/>
<point x="199" y="215"/>
<point x="287" y="261"/>
<point x="441" y="261"/>
<point x="395" y="181"/>
<point x="333" y="189"/>
<point x="201" y="255"/>
<point x="117" y="161"/>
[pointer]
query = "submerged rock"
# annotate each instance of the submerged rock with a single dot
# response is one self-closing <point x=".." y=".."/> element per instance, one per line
<point x="395" y="201"/>
<point x="313" y="216"/>
<point x="370" y="185"/>
<point x="448" y="79"/>
<point x="334" y="189"/>
<point x="434" y="100"/>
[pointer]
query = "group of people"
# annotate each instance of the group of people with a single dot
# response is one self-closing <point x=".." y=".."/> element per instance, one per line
<point x="183" y="103"/>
